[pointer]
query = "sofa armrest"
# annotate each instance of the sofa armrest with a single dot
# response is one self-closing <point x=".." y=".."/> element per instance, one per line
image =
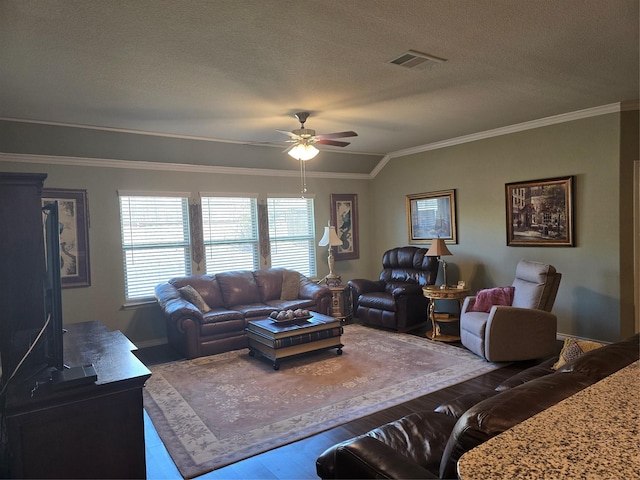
<point x="312" y="290"/>
<point x="467" y="304"/>
<point x="367" y="457"/>
<point x="536" y="328"/>
<point x="175" y="307"/>
<point x="362" y="286"/>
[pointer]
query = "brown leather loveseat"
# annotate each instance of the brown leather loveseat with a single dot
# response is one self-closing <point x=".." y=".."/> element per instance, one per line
<point x="231" y="299"/>
<point x="429" y="444"/>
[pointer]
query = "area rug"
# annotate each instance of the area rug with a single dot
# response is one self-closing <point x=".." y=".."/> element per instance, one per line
<point x="217" y="410"/>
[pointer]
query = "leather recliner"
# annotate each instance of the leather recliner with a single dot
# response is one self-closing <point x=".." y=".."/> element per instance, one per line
<point x="396" y="300"/>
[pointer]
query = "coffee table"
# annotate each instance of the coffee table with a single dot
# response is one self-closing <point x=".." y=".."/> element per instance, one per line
<point x="278" y="340"/>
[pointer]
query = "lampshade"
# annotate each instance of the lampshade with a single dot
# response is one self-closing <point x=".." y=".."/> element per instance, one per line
<point x="303" y="152"/>
<point x="330" y="237"/>
<point x="437" y="249"/>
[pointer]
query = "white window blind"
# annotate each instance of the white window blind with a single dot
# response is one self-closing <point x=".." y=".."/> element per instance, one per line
<point x="292" y="234"/>
<point x="155" y="241"/>
<point x="230" y="233"/>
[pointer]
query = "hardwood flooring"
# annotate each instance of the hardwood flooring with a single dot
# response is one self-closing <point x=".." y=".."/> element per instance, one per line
<point x="297" y="460"/>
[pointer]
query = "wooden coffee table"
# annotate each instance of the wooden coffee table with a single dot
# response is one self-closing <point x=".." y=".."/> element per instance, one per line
<point x="278" y="340"/>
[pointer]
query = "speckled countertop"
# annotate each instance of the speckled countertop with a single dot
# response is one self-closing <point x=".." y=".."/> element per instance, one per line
<point x="594" y="434"/>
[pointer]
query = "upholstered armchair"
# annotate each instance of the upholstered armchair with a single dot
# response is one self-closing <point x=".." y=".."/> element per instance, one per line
<point x="395" y="300"/>
<point x="524" y="330"/>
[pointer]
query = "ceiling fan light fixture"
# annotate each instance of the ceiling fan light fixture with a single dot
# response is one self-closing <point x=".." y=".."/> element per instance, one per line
<point x="303" y="152"/>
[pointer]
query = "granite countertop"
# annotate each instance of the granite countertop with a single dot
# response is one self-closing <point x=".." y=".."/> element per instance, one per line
<point x="594" y="434"/>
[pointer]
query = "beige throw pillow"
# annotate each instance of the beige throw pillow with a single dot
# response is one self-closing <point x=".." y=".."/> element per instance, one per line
<point x="290" y="285"/>
<point x="191" y="294"/>
<point x="572" y="349"/>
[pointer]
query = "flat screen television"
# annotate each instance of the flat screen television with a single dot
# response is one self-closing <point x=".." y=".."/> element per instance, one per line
<point x="28" y="352"/>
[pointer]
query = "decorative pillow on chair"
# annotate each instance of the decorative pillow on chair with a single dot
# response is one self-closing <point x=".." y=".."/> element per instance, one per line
<point x="191" y="294"/>
<point x="488" y="297"/>
<point x="290" y="285"/>
<point x="572" y="349"/>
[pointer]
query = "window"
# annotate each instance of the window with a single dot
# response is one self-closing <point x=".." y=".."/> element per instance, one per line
<point x="230" y="233"/>
<point x="155" y="241"/>
<point x="292" y="235"/>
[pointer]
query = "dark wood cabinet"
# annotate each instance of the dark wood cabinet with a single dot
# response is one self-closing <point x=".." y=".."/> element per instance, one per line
<point x="86" y="431"/>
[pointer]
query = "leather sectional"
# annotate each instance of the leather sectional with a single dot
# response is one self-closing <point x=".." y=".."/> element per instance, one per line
<point x="429" y="444"/>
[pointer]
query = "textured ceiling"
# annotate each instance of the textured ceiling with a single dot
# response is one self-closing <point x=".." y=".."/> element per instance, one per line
<point x="238" y="69"/>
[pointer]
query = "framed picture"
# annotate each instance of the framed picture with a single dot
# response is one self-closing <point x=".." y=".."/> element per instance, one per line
<point x="540" y="213"/>
<point x="344" y="215"/>
<point x="432" y="215"/>
<point x="74" y="235"/>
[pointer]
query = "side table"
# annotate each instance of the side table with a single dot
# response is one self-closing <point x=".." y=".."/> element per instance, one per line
<point x="341" y="302"/>
<point x="434" y="293"/>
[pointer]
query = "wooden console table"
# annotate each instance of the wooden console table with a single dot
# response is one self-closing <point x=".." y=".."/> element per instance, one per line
<point x="87" y="431"/>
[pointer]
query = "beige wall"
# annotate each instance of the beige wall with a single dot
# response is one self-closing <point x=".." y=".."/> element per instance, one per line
<point x="588" y="302"/>
<point x="589" y="299"/>
<point x="104" y="299"/>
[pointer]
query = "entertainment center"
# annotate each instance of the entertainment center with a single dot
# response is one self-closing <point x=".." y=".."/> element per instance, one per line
<point x="70" y="403"/>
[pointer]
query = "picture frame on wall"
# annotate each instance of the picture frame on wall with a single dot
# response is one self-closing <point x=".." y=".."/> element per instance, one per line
<point x="74" y="235"/>
<point x="540" y="212"/>
<point x="344" y="215"/>
<point x="432" y="215"/>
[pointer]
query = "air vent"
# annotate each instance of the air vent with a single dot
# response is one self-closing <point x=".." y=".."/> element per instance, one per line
<point x="417" y="60"/>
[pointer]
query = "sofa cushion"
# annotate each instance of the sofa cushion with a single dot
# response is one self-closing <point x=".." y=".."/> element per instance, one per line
<point x="456" y="407"/>
<point x="527" y="375"/>
<point x="269" y="281"/>
<point x="489" y="297"/>
<point x="190" y="293"/>
<point x="378" y="300"/>
<point x="221" y="315"/>
<point x="206" y="285"/>
<point x="572" y="349"/>
<point x="238" y="288"/>
<point x="290" y="285"/>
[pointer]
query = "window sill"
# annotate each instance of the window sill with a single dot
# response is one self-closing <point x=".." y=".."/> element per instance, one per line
<point x="141" y="303"/>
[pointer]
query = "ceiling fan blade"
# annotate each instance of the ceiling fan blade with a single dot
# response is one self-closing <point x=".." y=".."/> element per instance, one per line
<point x="335" y="143"/>
<point x="337" y="135"/>
<point x="290" y="134"/>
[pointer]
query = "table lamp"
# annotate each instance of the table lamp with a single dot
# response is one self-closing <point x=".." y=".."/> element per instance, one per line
<point x="437" y="249"/>
<point x="331" y="239"/>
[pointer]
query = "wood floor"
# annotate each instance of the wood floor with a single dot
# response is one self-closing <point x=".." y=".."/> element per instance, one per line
<point x="297" y="460"/>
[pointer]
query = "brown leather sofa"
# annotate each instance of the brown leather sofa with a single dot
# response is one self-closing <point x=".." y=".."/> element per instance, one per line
<point x="429" y="444"/>
<point x="234" y="298"/>
<point x="396" y="300"/>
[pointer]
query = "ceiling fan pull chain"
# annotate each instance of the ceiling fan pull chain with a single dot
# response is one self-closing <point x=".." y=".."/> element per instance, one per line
<point x="303" y="178"/>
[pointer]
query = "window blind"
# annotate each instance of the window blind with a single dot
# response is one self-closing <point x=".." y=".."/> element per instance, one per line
<point x="155" y="241"/>
<point x="292" y="234"/>
<point x="230" y="233"/>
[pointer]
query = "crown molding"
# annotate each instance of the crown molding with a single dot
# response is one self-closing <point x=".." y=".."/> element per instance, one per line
<point x="170" y="167"/>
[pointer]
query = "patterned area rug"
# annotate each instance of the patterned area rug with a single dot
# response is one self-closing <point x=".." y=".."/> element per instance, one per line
<point x="217" y="410"/>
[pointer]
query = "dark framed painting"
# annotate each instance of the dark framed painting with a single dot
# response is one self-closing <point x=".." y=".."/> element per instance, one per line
<point x="432" y="215"/>
<point x="344" y="215"/>
<point x="540" y="213"/>
<point x="74" y="235"/>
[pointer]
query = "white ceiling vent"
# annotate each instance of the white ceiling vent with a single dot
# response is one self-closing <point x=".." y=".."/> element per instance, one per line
<point x="417" y="60"/>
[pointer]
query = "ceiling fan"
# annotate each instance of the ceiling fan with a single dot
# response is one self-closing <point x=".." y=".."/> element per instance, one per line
<point x="303" y="139"/>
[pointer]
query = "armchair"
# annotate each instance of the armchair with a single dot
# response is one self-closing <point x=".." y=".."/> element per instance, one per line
<point x="526" y="330"/>
<point x="396" y="300"/>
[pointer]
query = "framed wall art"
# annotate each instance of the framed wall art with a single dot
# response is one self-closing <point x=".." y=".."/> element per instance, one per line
<point x="74" y="235"/>
<point x="432" y="215"/>
<point x="344" y="215"/>
<point x="540" y="213"/>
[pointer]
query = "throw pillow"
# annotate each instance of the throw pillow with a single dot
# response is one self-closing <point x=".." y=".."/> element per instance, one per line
<point x="488" y="297"/>
<point x="191" y="294"/>
<point x="290" y="285"/>
<point x="572" y="349"/>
